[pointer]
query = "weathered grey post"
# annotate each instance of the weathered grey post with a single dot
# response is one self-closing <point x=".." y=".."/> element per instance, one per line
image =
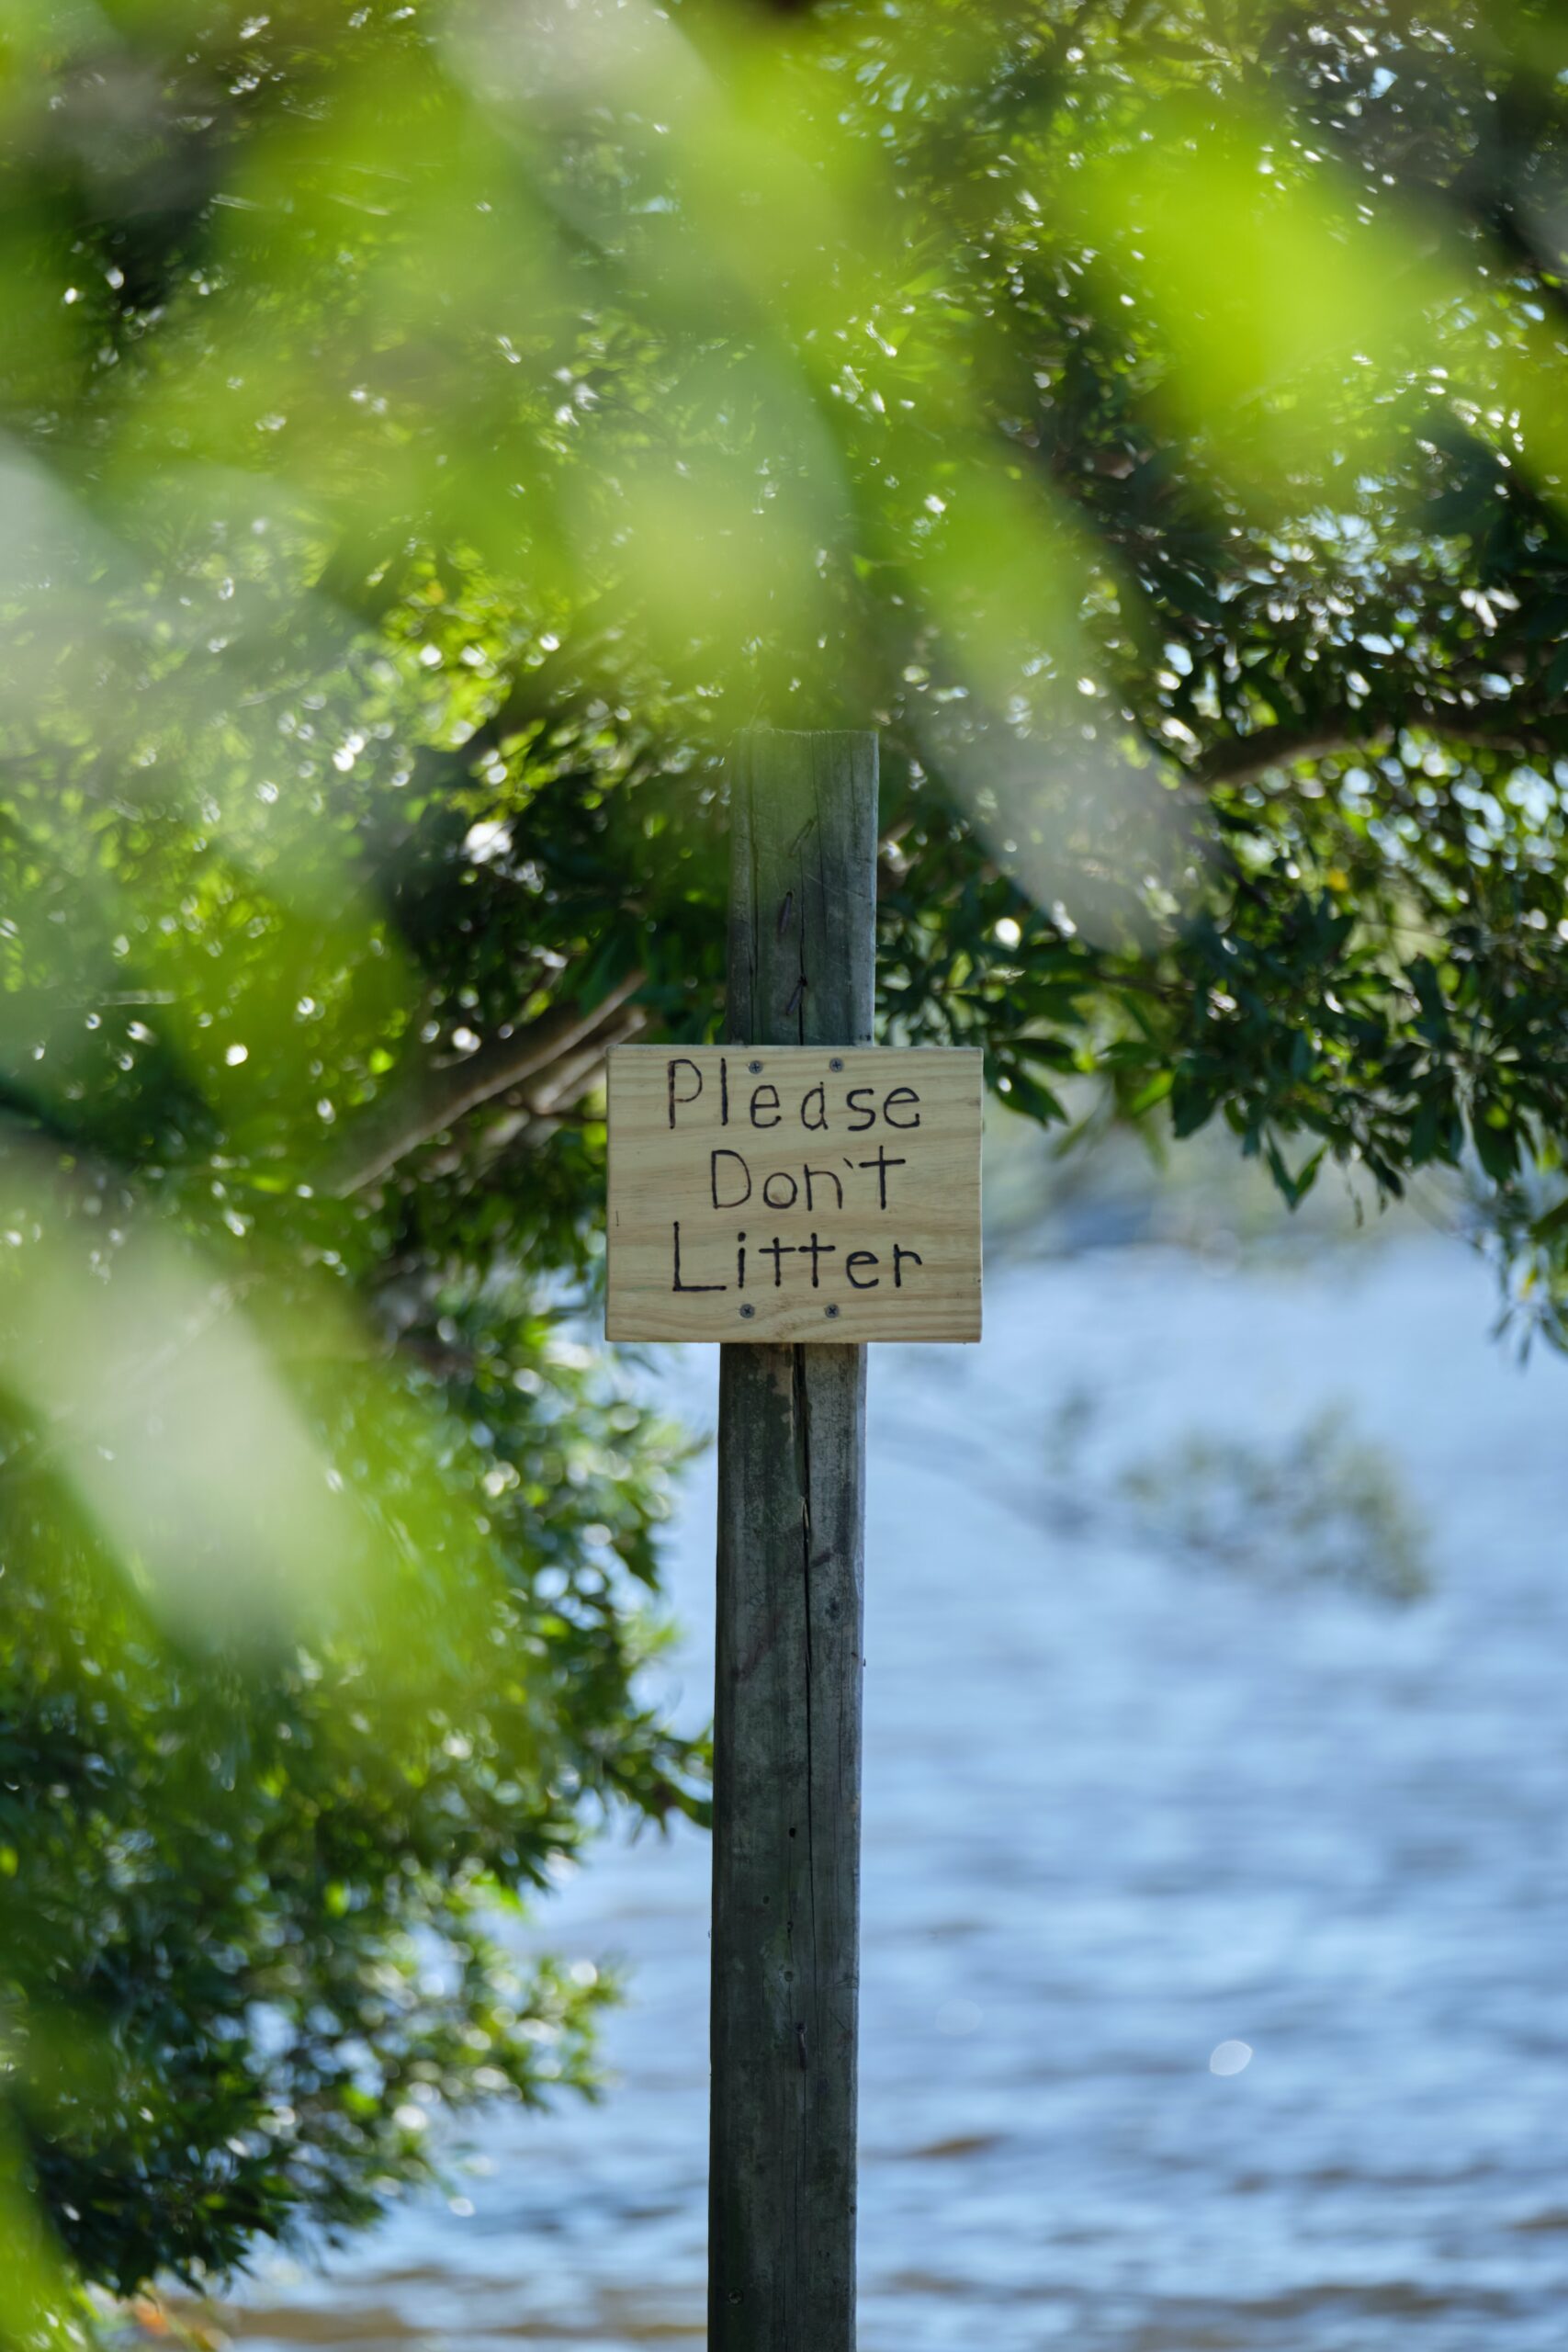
<point x="791" y="1522"/>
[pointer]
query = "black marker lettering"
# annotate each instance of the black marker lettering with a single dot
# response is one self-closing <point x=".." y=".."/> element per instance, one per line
<point x="678" y="1283"/>
<point x="683" y="1061"/>
<point x="774" y="1200"/>
<point x="868" y="1118"/>
<point x="815" y="1250"/>
<point x="724" y="1153"/>
<point x="899" y="1254"/>
<point x="861" y="1258"/>
<point x="771" y="1103"/>
<point x="881" y="1164"/>
<point x="723" y="1090"/>
<point x="900" y="1094"/>
<point x="778" y="1250"/>
<point x="821" y="1093"/>
<point x="827" y="1176"/>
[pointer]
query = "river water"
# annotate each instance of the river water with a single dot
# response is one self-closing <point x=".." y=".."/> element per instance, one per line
<point x="1123" y="1807"/>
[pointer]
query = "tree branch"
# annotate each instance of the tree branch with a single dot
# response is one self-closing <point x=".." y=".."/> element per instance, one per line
<point x="546" y="1099"/>
<point x="389" y="1131"/>
<point x="576" y="1074"/>
<point x="1244" y="758"/>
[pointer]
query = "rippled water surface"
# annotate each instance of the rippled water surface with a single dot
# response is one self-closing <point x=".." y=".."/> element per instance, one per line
<point x="1121" y="1808"/>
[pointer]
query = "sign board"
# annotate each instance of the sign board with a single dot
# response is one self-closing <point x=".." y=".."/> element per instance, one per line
<point x="788" y="1193"/>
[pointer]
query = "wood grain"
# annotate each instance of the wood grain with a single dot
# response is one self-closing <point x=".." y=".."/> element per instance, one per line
<point x="792" y="1192"/>
<point x="787" y="1695"/>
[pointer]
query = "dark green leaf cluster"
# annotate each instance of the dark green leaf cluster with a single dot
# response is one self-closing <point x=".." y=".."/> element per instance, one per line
<point x="255" y="1886"/>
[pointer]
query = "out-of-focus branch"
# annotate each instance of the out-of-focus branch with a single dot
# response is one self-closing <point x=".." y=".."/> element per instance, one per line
<point x="439" y="1097"/>
<point x="545" y="1100"/>
<point x="1246" y="757"/>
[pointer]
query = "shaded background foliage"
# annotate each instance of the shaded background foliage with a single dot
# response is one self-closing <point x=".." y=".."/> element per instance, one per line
<point x="430" y="433"/>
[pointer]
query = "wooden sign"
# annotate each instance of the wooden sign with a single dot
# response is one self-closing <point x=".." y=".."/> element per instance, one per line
<point x="788" y="1193"/>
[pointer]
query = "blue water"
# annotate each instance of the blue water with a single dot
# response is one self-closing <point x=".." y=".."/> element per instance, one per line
<point x="1122" y="1807"/>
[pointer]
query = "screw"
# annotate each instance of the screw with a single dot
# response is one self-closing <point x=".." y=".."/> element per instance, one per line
<point x="753" y="1068"/>
<point x="830" y="1312"/>
<point x="747" y="1312"/>
<point x="836" y="1062"/>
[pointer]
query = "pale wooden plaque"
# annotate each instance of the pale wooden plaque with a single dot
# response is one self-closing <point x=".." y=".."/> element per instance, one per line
<point x="787" y="1192"/>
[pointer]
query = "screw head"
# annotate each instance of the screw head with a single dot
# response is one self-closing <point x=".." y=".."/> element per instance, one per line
<point x="747" y="1312"/>
<point x="753" y="1068"/>
<point x="837" y="1062"/>
<point x="830" y="1312"/>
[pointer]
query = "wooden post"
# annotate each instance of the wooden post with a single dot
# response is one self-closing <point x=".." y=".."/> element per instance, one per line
<point x="791" y="1543"/>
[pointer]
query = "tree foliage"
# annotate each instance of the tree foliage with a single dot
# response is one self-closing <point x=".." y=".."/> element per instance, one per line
<point x="430" y="431"/>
